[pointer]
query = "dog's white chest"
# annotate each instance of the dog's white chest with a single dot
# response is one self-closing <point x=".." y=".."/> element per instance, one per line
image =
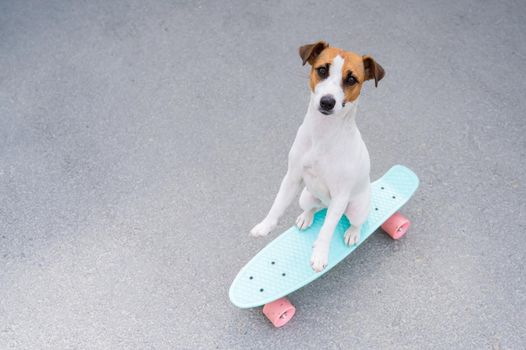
<point x="314" y="178"/>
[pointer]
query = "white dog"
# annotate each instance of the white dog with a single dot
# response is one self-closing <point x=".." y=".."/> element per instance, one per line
<point x="328" y="156"/>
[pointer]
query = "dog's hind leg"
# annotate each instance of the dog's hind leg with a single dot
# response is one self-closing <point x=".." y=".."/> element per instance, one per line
<point x="310" y="205"/>
<point x="357" y="212"/>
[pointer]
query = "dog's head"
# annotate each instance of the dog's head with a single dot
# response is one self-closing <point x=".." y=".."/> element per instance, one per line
<point x="337" y="76"/>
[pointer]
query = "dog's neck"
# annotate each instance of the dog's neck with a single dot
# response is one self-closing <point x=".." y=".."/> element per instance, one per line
<point x="326" y="127"/>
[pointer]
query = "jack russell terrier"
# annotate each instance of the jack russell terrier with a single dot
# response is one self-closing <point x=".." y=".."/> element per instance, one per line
<point x="328" y="155"/>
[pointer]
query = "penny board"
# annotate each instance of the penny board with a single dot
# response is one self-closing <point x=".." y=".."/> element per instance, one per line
<point x="283" y="266"/>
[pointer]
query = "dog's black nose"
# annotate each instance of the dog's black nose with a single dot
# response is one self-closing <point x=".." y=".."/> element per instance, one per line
<point x="327" y="103"/>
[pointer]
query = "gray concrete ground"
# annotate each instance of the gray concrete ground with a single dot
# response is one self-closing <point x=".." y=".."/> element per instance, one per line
<point x="140" y="141"/>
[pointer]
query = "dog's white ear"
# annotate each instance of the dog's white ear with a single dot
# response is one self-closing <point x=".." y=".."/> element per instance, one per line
<point x="372" y="70"/>
<point x="308" y="53"/>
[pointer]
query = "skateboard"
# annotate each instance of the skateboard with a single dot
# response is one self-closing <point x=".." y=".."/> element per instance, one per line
<point x="283" y="266"/>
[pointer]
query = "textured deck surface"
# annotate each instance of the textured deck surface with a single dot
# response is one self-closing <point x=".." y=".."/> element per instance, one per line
<point x="283" y="265"/>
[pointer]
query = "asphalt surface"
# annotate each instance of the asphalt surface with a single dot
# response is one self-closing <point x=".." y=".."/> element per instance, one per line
<point x="140" y="142"/>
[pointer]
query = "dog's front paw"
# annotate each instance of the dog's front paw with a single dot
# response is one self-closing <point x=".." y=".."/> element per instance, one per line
<point x="352" y="235"/>
<point x="263" y="228"/>
<point x="304" y="221"/>
<point x="320" y="255"/>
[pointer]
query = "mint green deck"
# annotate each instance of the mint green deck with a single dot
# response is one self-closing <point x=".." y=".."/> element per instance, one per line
<point x="283" y="266"/>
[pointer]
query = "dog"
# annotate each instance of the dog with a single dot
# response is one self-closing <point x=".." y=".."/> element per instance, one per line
<point x="328" y="157"/>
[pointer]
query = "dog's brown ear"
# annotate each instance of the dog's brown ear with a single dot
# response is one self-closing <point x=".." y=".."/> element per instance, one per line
<point x="308" y="53"/>
<point x="372" y="70"/>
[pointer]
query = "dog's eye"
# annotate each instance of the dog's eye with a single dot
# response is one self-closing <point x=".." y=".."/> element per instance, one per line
<point x="322" y="72"/>
<point x="350" y="80"/>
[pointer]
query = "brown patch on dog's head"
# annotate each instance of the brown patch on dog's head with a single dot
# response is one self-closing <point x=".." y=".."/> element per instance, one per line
<point x="353" y="75"/>
<point x="322" y="60"/>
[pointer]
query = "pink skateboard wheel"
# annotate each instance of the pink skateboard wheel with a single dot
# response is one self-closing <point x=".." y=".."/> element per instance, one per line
<point x="396" y="226"/>
<point x="279" y="312"/>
